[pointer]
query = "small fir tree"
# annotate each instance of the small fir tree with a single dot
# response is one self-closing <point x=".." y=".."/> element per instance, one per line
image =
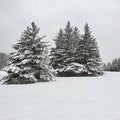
<point x="30" y="62"/>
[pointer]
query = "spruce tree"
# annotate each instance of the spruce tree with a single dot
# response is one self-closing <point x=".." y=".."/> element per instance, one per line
<point x="77" y="46"/>
<point x="30" y="62"/>
<point x="58" y="53"/>
<point x="65" y="58"/>
<point x="61" y="53"/>
<point x="90" y="53"/>
<point x="109" y="66"/>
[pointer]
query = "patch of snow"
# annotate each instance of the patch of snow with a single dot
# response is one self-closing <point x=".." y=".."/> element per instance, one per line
<point x="24" y="61"/>
<point x="68" y="98"/>
<point x="2" y="74"/>
<point x="74" y="67"/>
<point x="12" y="68"/>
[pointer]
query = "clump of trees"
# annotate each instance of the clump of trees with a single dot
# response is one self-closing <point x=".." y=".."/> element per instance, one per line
<point x="76" y="54"/>
<point x="112" y="66"/>
<point x="30" y="61"/>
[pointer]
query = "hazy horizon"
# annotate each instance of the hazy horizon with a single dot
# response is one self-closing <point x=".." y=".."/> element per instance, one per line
<point x="50" y="15"/>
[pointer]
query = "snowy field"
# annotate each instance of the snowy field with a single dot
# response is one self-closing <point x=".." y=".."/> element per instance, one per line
<point x="69" y="98"/>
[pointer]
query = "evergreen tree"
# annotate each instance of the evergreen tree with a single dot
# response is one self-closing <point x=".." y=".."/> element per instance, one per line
<point x="78" y="46"/>
<point x="104" y="67"/>
<point x="65" y="56"/>
<point x="58" y="53"/>
<point x="76" y="38"/>
<point x="61" y="54"/>
<point x="115" y="66"/>
<point x="68" y="44"/>
<point x="30" y="62"/>
<point x="109" y="66"/>
<point x="90" y="53"/>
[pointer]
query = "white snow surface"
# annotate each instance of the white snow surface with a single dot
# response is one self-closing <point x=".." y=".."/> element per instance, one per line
<point x="68" y="98"/>
<point x="2" y="74"/>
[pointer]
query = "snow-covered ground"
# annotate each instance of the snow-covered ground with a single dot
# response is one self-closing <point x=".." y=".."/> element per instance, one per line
<point x="68" y="98"/>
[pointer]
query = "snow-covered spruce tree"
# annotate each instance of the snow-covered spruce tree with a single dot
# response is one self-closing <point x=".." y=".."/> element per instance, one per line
<point x="68" y="43"/>
<point x="90" y="53"/>
<point x="78" y="46"/>
<point x="30" y="62"/>
<point x="59" y="54"/>
<point x="64" y="57"/>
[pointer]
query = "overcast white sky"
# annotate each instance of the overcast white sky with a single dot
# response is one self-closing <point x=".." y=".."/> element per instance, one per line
<point x="103" y="17"/>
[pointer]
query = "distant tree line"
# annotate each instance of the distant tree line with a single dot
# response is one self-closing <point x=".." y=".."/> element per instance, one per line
<point x="112" y="66"/>
<point x="3" y="60"/>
